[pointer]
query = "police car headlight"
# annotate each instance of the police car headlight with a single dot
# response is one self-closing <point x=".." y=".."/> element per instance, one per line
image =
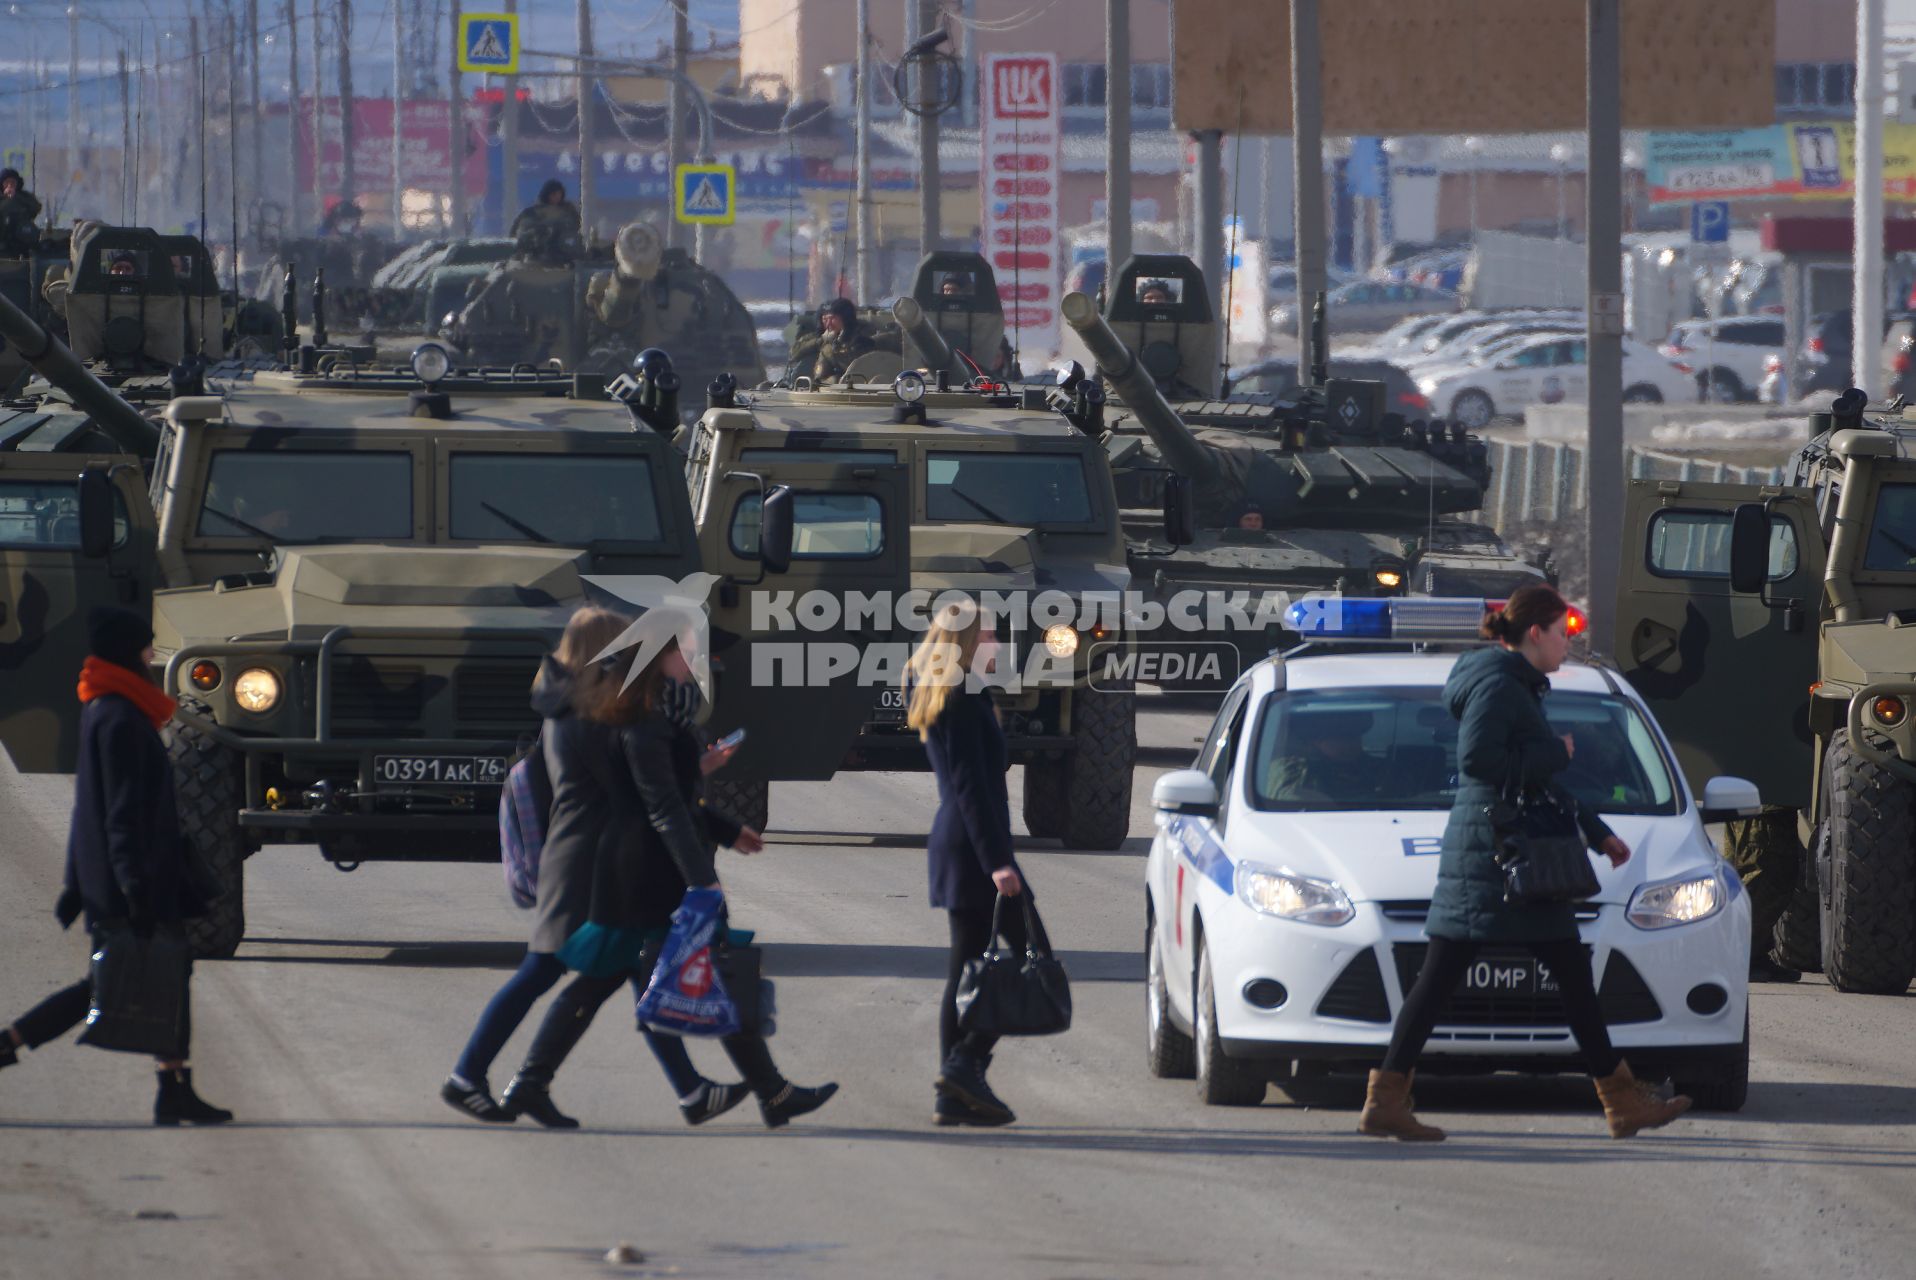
<point x="1674" y="902"/>
<point x="1293" y="897"/>
<point x="257" y="690"/>
<point x="1061" y="640"/>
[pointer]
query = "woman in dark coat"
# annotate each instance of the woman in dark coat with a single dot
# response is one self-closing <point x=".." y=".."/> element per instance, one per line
<point x="1504" y="740"/>
<point x="126" y="859"/>
<point x="969" y="855"/>
<point x="663" y="840"/>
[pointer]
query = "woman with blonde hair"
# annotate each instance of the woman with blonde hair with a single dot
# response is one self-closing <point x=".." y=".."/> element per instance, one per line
<point x="969" y="852"/>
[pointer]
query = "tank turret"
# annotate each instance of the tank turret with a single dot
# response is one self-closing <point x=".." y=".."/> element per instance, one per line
<point x="58" y="366"/>
<point x="930" y="343"/>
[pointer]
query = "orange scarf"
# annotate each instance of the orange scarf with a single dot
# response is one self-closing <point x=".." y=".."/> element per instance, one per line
<point x="99" y="677"/>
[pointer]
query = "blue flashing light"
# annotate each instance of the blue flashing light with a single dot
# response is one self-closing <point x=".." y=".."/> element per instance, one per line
<point x="1407" y="618"/>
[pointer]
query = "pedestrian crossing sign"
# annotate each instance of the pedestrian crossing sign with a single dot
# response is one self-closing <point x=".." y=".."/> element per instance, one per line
<point x="489" y="42"/>
<point x="705" y="193"/>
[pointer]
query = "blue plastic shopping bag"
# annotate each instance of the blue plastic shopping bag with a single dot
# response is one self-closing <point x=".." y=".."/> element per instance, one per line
<point x="686" y="995"/>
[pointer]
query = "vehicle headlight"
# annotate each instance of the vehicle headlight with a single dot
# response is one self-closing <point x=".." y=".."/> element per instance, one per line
<point x="1427" y="385"/>
<point x="1674" y="902"/>
<point x="1061" y="640"/>
<point x="431" y="362"/>
<point x="1293" y="897"/>
<point x="256" y="689"/>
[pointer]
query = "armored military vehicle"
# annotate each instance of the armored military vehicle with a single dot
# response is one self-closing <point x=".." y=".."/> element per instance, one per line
<point x="1770" y="629"/>
<point x="1002" y="494"/>
<point x="956" y="294"/>
<point x="424" y="287"/>
<point x="353" y="574"/>
<point x="350" y="263"/>
<point x="597" y="313"/>
<point x="1318" y="491"/>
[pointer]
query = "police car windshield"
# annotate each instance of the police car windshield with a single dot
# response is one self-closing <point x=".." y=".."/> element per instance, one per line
<point x="1368" y="749"/>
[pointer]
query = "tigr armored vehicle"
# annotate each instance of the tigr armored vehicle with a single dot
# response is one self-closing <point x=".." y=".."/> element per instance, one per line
<point x="1318" y="491"/>
<point x="1773" y="630"/>
<point x="353" y="577"/>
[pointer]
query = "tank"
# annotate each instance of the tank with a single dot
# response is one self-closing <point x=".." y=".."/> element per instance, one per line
<point x="1320" y="490"/>
<point x="121" y="424"/>
<point x="957" y="327"/>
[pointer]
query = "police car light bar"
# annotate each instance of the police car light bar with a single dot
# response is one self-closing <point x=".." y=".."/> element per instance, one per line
<point x="1402" y="618"/>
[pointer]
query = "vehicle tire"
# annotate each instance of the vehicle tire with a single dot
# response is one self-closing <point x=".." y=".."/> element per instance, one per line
<point x="1797" y="940"/>
<point x="1720" y="386"/>
<point x="208" y="778"/>
<point x="1222" y="1081"/>
<point x="1869" y="903"/>
<point x="1097" y="777"/>
<point x="1723" y="1088"/>
<point x="749" y="800"/>
<point x="1642" y="393"/>
<point x="1473" y="409"/>
<point x="1044" y="798"/>
<point x="1168" y="1051"/>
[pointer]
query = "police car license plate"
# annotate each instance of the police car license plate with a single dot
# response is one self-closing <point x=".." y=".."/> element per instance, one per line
<point x="439" y="771"/>
<point x="1508" y="976"/>
<point x="891" y="706"/>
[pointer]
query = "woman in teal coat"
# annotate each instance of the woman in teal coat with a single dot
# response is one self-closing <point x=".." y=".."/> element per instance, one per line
<point x="1504" y="740"/>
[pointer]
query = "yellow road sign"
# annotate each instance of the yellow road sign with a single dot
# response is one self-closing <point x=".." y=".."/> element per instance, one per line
<point x="489" y="42"/>
<point x="705" y="193"/>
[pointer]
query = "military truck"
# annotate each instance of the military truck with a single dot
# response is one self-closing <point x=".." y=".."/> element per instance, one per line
<point x="353" y="576"/>
<point x="1002" y="494"/>
<point x="1317" y="491"/>
<point x="1770" y="630"/>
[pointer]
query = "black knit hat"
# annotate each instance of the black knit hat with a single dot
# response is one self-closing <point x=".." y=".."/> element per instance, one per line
<point x="119" y="636"/>
<point x="843" y="308"/>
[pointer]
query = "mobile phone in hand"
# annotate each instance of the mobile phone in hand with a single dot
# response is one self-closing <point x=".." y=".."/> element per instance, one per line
<point x="730" y="740"/>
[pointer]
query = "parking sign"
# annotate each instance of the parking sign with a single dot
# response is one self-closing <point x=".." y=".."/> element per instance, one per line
<point x="1710" y="221"/>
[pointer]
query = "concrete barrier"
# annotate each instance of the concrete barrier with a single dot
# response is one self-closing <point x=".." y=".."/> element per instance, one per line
<point x="1544" y="480"/>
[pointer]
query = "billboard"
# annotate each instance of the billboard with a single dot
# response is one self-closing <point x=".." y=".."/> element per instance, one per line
<point x="424" y="141"/>
<point x="1815" y="161"/>
<point x="1018" y="186"/>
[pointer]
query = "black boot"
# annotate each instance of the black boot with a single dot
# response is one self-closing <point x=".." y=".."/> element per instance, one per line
<point x="1764" y="969"/>
<point x="178" y="1104"/>
<point x="713" y="1100"/>
<point x="9" y="1052"/>
<point x="963" y="1077"/>
<point x="525" y="1097"/>
<point x="792" y="1101"/>
<point x="474" y="1100"/>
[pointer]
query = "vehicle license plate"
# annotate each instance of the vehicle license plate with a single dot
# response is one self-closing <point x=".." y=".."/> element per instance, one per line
<point x="1508" y="976"/>
<point x="891" y="706"/>
<point x="440" y="771"/>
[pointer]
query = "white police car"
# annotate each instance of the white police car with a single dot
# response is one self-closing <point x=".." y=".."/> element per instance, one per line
<point x="1286" y="901"/>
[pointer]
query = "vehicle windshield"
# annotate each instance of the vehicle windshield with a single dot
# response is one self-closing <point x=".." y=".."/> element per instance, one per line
<point x="1396" y="748"/>
<point x="569" y="500"/>
<point x="1007" y="488"/>
<point x="1892" y="533"/>
<point x="308" y="495"/>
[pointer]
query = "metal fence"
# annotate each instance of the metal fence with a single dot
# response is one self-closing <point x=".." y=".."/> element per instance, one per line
<point x="1543" y="480"/>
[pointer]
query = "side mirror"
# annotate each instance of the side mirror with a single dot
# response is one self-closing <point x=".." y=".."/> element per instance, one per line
<point x="1749" y="548"/>
<point x="1726" y="798"/>
<point x="1180" y="511"/>
<point x="1186" y="791"/>
<point x="96" y="514"/>
<point x="775" y="530"/>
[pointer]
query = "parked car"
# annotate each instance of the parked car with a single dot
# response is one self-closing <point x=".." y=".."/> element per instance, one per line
<point x="1368" y="305"/>
<point x="1726" y="357"/>
<point x="1278" y="376"/>
<point x="1470" y="346"/>
<point x="1826" y="360"/>
<point x="1547" y="369"/>
<point x="1442" y="333"/>
<point x="1405" y="337"/>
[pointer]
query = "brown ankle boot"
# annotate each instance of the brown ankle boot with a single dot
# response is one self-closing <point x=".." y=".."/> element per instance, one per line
<point x="1387" y="1112"/>
<point x="1630" y="1105"/>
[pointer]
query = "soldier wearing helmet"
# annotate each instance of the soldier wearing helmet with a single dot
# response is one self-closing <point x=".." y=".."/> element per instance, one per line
<point x="841" y="339"/>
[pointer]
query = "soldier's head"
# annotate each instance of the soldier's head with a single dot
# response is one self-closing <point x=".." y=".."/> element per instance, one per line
<point x="123" y="265"/>
<point x="837" y="316"/>
<point x="1334" y="735"/>
<point x="11" y="183"/>
<point x="1251" y="518"/>
<point x="553" y="192"/>
<point x="956" y="285"/>
<point x="1155" y="293"/>
<point x="343" y="218"/>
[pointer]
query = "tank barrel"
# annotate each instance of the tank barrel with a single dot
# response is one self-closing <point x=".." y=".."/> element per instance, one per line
<point x="59" y="366"/>
<point x="937" y="352"/>
<point x="1140" y="394"/>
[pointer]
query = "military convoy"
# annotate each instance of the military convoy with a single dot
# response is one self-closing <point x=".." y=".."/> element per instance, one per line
<point x="1771" y="630"/>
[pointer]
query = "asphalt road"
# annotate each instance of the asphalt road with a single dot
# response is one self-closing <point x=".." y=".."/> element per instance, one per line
<point x="331" y="1033"/>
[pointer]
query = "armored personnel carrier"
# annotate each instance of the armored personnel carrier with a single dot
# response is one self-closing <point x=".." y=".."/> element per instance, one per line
<point x="1319" y="491"/>
<point x="956" y="293"/>
<point x="424" y="287"/>
<point x="353" y="574"/>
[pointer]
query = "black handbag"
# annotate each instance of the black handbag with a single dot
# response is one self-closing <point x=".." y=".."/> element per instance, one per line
<point x="1540" y="846"/>
<point x="139" y="994"/>
<point x="1002" y="994"/>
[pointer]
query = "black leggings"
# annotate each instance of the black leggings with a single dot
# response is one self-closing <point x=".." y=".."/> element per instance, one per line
<point x="970" y="935"/>
<point x="1444" y="966"/>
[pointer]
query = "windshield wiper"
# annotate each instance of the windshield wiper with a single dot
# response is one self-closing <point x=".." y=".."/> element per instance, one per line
<point x="253" y="529"/>
<point x="988" y="513"/>
<point x="518" y="526"/>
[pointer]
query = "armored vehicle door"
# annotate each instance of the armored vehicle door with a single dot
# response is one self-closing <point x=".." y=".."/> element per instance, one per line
<point x="1727" y="675"/>
<point x="787" y="650"/>
<point x="50" y="578"/>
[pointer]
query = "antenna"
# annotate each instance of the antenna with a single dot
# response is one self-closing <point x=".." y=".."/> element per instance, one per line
<point x="200" y="55"/>
<point x="1320" y="340"/>
<point x="232" y="155"/>
<point x="1230" y="257"/>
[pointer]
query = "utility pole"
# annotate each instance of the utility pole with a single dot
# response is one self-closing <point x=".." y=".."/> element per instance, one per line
<point x="75" y="157"/>
<point x="319" y="115"/>
<point x="1210" y="213"/>
<point x="195" y="130"/>
<point x="587" y="77"/>
<point x="456" y="135"/>
<point x="256" y="123"/>
<point x="1117" y="136"/>
<point x="126" y="133"/>
<point x="866" y="285"/>
<point x="1603" y="248"/>
<point x="509" y="199"/>
<point x="930" y="222"/>
<point x="675" y="119"/>
<point x="295" y="204"/>
<point x="348" y="172"/>
<point x="1867" y="304"/>
<point x="399" y="132"/>
<point x="1307" y="161"/>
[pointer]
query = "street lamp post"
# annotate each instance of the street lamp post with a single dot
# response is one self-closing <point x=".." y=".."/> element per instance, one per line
<point x="1474" y="146"/>
<point x="1561" y="154"/>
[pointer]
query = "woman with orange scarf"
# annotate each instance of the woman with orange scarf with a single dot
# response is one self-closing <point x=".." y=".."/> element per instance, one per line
<point x="126" y="860"/>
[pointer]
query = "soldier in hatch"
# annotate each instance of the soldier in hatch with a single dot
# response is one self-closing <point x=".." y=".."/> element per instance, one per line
<point x="549" y="230"/>
<point x="18" y="209"/>
<point x="840" y="339"/>
<point x="1331" y="766"/>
